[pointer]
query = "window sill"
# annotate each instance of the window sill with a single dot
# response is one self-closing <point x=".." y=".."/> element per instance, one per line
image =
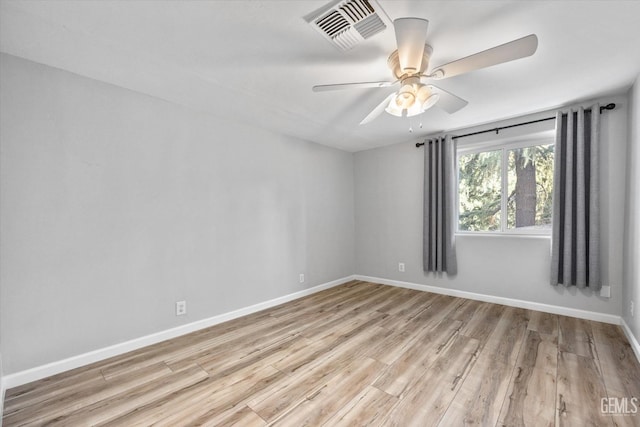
<point x="501" y="234"/>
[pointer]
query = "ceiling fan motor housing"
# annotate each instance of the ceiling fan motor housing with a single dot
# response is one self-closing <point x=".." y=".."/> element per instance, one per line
<point x="394" y="63"/>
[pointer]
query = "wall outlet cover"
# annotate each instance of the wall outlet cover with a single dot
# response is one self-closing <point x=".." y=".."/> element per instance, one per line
<point x="181" y="308"/>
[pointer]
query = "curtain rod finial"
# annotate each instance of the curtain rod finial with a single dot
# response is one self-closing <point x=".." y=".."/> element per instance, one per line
<point x="609" y="106"/>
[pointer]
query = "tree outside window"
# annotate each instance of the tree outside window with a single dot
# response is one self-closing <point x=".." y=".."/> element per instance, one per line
<point x="506" y="189"/>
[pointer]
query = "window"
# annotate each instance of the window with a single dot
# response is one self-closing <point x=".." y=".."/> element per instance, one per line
<point x="506" y="188"/>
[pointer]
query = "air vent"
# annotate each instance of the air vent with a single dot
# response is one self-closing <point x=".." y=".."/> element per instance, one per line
<point x="346" y="23"/>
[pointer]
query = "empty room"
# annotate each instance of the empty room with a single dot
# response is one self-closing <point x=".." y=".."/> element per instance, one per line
<point x="319" y="213"/>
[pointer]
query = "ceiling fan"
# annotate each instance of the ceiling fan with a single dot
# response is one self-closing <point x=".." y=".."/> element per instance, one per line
<point x="409" y="64"/>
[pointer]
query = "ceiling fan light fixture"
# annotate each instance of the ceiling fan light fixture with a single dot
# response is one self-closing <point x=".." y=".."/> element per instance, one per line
<point x="412" y="99"/>
<point x="423" y="93"/>
<point x="419" y="108"/>
<point x="393" y="108"/>
<point x="406" y="97"/>
<point x="430" y="102"/>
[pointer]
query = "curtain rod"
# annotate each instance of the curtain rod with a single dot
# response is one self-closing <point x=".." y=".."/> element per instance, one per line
<point x="610" y="106"/>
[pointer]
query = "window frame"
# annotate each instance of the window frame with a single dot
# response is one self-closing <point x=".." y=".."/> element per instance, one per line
<point x="503" y="146"/>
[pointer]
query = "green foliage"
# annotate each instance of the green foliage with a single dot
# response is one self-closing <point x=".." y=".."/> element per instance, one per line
<point x="481" y="188"/>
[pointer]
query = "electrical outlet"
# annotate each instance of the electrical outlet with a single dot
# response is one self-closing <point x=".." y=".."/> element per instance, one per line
<point x="401" y="266"/>
<point x="631" y="308"/>
<point x="301" y="277"/>
<point x="605" y="291"/>
<point x="181" y="308"/>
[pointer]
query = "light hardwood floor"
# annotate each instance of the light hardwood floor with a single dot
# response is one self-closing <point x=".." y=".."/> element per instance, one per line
<point x="357" y="354"/>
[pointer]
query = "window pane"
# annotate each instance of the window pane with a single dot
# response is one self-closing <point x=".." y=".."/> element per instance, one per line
<point x="480" y="181"/>
<point x="530" y="187"/>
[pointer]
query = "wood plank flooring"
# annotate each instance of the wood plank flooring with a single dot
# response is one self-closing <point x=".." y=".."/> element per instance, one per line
<point x="356" y="354"/>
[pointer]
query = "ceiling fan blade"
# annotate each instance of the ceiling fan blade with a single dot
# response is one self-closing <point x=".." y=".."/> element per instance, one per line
<point x="411" y="36"/>
<point x="448" y="101"/>
<point x="361" y="85"/>
<point x="520" y="48"/>
<point x="378" y="110"/>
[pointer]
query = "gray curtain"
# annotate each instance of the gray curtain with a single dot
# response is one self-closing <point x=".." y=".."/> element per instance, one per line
<point x="439" y="252"/>
<point x="575" y="243"/>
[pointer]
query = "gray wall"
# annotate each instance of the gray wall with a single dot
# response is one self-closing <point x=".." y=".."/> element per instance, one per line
<point x="632" y="216"/>
<point x="388" y="184"/>
<point x="115" y="205"/>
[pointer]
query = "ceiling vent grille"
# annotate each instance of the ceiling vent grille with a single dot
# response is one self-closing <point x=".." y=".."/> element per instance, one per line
<point x="346" y="23"/>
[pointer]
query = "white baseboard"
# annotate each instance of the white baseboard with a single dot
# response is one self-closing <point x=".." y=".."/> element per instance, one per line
<point x="2" y="390"/>
<point x="635" y="345"/>
<point x="547" y="308"/>
<point x="39" y="372"/>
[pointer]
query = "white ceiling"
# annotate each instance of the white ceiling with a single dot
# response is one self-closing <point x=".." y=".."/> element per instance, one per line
<point x="256" y="61"/>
